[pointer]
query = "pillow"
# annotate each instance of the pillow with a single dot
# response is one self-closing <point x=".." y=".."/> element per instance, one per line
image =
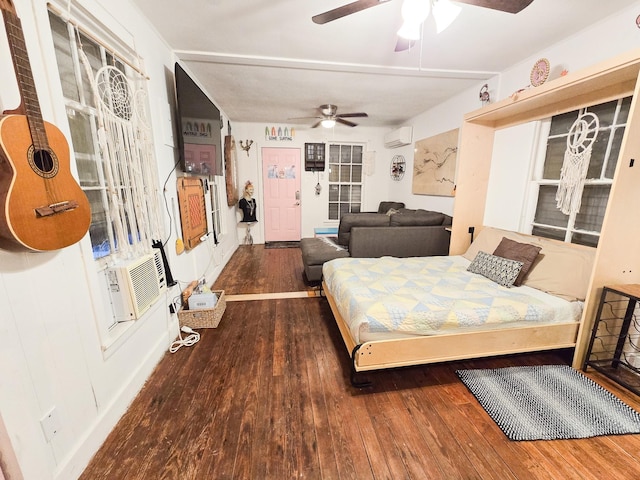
<point x="488" y="239"/>
<point x="522" y="252"/>
<point x="562" y="269"/>
<point x="501" y="270"/>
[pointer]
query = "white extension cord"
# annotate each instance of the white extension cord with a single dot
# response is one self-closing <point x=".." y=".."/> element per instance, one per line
<point x="188" y="341"/>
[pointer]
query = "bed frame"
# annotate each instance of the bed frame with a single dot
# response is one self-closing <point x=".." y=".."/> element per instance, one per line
<point x="382" y="354"/>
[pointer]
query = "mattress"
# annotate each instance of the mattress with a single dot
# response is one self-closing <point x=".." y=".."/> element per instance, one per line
<point x="388" y="297"/>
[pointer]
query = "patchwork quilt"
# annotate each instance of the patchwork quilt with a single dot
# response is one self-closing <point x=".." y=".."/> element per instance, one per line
<point x="433" y="295"/>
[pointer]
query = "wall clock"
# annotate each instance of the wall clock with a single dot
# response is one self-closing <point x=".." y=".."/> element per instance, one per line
<point x="540" y="72"/>
<point x="398" y="166"/>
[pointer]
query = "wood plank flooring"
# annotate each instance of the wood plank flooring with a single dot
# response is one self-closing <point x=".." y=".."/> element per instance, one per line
<point x="266" y="395"/>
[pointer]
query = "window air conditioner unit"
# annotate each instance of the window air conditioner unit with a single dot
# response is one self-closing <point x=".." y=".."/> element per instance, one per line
<point x="398" y="138"/>
<point x="135" y="285"/>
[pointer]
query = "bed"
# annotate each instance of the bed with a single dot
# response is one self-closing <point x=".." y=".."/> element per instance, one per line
<point x="395" y="312"/>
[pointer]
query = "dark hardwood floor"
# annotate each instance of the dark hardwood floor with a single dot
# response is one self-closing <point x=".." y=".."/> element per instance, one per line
<point x="266" y="395"/>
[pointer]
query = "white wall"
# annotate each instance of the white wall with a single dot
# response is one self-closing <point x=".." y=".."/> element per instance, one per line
<point x="50" y="347"/>
<point x="508" y="192"/>
<point x="314" y="208"/>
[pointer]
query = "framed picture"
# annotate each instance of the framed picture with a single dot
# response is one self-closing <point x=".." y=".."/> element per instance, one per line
<point x="434" y="165"/>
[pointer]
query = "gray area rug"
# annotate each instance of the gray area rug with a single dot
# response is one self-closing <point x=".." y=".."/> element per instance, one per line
<point x="549" y="402"/>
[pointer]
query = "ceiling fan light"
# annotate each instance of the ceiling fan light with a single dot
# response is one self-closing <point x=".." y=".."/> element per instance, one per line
<point x="444" y="13"/>
<point x="415" y="11"/>
<point x="410" y="31"/>
<point x="328" y="123"/>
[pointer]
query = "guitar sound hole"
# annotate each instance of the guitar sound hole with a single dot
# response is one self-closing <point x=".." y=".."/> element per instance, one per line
<point x="43" y="162"/>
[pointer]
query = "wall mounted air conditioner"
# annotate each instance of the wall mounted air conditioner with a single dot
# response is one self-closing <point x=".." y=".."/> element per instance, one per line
<point x="398" y="138"/>
<point x="135" y="285"/>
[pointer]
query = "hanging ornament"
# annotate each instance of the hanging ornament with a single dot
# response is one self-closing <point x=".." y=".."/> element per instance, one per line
<point x="582" y="136"/>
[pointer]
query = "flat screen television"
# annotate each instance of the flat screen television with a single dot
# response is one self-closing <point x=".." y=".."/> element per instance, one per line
<point x="199" y="126"/>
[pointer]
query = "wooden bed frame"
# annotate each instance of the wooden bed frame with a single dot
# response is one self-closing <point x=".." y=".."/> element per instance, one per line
<point x="382" y="354"/>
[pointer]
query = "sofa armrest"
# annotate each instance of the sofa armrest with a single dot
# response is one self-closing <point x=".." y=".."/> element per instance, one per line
<point x="410" y="241"/>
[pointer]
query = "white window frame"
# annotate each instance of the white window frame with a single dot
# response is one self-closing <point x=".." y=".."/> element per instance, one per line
<point x="537" y="180"/>
<point x="111" y="332"/>
<point x="339" y="183"/>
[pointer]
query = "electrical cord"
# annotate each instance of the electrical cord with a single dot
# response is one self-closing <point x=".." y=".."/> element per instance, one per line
<point x="188" y="341"/>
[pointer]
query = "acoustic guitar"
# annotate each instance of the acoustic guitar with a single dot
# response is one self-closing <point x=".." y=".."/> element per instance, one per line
<point x="43" y="207"/>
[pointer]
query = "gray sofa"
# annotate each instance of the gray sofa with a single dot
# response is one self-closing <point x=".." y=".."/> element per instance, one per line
<point x="398" y="233"/>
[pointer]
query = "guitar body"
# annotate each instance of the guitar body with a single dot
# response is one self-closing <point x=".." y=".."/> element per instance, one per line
<point x="43" y="206"/>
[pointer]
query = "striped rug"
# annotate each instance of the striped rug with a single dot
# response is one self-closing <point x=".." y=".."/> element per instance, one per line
<point x="549" y="402"/>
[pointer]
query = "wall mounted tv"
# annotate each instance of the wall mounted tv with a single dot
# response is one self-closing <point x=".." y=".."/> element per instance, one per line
<point x="199" y="126"/>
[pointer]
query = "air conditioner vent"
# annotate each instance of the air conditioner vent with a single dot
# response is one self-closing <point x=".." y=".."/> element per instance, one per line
<point x="134" y="286"/>
<point x="398" y="138"/>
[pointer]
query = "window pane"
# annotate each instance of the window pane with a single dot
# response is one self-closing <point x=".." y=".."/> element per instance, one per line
<point x="585" y="239"/>
<point x="356" y="173"/>
<point x="333" y="193"/>
<point x="355" y="208"/>
<point x="554" y="158"/>
<point x="605" y="112"/>
<point x="344" y="208"/>
<point x="334" y="153"/>
<point x="99" y="230"/>
<point x="356" y="193"/>
<point x="345" y="191"/>
<point x="345" y="154"/>
<point x="562" y="123"/>
<point x="357" y="154"/>
<point x="594" y="203"/>
<point x="548" y="233"/>
<point x="546" y="211"/>
<point x="82" y="142"/>
<point x="615" y="153"/>
<point x="92" y="51"/>
<point x="334" y="173"/>
<point x="624" y="111"/>
<point x="598" y="152"/>
<point x="345" y="173"/>
<point x="62" y="48"/>
<point x="333" y="211"/>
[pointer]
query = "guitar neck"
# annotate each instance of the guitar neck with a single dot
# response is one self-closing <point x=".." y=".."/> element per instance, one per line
<point x="30" y="105"/>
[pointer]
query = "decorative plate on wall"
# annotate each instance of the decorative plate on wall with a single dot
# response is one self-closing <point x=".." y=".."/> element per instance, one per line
<point x="540" y="72"/>
<point x="398" y="166"/>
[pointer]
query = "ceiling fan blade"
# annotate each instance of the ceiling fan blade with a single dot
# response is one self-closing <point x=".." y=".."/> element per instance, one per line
<point x="345" y="10"/>
<point x="403" y="44"/>
<point x="345" y="122"/>
<point x="509" y="6"/>
<point x="352" y="115"/>
<point x="317" y="124"/>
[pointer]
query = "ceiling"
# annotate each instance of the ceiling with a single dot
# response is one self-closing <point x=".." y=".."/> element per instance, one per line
<point x="266" y="61"/>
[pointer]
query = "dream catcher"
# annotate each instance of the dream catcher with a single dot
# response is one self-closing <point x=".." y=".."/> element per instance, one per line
<point x="582" y="136"/>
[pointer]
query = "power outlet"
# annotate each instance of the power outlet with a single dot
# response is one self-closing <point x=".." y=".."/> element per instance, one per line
<point x="50" y="424"/>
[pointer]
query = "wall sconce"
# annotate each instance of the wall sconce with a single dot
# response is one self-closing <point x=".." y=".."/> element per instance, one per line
<point x="247" y="146"/>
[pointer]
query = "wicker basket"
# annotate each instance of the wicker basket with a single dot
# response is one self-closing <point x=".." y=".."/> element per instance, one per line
<point x="206" y="317"/>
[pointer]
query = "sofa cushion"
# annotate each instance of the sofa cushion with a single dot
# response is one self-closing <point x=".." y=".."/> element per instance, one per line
<point x="419" y="217"/>
<point x="317" y="250"/>
<point x="384" y="207"/>
<point x="350" y="220"/>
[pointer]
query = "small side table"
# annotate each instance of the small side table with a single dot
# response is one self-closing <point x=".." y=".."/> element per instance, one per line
<point x="614" y="348"/>
<point x="325" y="231"/>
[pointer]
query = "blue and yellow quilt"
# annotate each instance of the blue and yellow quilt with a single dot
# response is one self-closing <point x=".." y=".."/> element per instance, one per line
<point x="433" y="295"/>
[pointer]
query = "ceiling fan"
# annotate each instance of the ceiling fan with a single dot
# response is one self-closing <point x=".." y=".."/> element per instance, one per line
<point x="330" y="116"/>
<point x="509" y="6"/>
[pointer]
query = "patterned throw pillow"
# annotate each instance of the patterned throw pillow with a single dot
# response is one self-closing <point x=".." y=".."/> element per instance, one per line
<point x="501" y="270"/>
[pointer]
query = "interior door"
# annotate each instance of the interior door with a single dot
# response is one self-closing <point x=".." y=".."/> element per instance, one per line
<point x="281" y="180"/>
